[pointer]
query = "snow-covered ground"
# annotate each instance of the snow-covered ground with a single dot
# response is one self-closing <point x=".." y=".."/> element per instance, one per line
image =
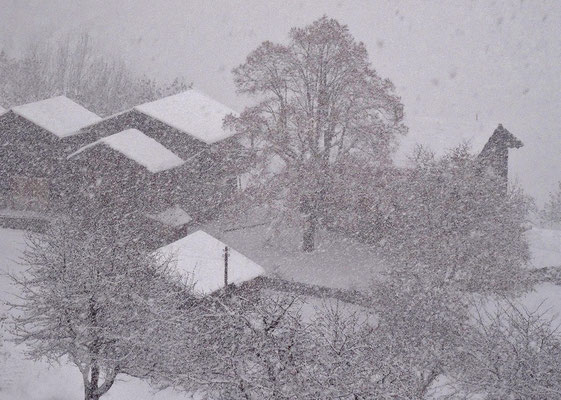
<point x="545" y="246"/>
<point x="337" y="263"/>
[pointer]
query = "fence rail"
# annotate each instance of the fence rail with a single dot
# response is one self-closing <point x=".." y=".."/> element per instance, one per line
<point x="304" y="289"/>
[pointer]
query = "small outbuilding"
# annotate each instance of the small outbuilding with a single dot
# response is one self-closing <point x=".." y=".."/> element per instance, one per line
<point x="209" y="264"/>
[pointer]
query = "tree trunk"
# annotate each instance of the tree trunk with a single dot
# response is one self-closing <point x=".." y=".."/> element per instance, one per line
<point x="310" y="227"/>
<point x="90" y="387"/>
<point x="90" y="394"/>
<point x="91" y="377"/>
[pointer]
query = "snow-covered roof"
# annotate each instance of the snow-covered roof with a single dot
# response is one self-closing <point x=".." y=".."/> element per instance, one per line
<point x="140" y="148"/>
<point x="174" y="216"/>
<point x="191" y="112"/>
<point x="199" y="257"/>
<point x="58" y="115"/>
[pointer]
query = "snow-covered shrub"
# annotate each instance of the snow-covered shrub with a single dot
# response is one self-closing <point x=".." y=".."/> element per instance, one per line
<point x="421" y="324"/>
<point x="344" y="359"/>
<point x="238" y="347"/>
<point x="510" y="353"/>
<point x="550" y="215"/>
<point x="452" y="222"/>
<point x="259" y="346"/>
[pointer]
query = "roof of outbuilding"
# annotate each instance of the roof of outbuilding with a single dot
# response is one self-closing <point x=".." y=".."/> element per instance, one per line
<point x="199" y="257"/>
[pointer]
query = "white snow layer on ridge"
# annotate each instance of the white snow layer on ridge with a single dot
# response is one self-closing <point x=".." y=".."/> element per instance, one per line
<point x="140" y="148"/>
<point x="143" y="149"/>
<point x="58" y="115"/>
<point x="191" y="112"/>
<point x="174" y="216"/>
<point x="199" y="257"/>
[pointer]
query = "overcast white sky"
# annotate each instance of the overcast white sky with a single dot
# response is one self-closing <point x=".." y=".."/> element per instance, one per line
<point x="461" y="67"/>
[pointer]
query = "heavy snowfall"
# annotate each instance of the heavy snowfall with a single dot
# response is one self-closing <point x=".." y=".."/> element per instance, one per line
<point x="280" y="200"/>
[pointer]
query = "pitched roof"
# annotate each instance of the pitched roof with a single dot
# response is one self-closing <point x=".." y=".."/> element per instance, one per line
<point x="200" y="258"/>
<point x="191" y="112"/>
<point x="58" y="115"/>
<point x="140" y="148"/>
<point x="173" y="216"/>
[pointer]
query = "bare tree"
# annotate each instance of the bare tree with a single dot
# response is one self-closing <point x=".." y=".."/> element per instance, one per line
<point x="320" y="102"/>
<point x="420" y="328"/>
<point x="247" y="347"/>
<point x="346" y="360"/>
<point x="77" y="69"/>
<point x="510" y="353"/>
<point x="258" y="346"/>
<point x="97" y="300"/>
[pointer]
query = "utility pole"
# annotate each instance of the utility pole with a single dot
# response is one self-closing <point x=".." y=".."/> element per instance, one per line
<point x="226" y="267"/>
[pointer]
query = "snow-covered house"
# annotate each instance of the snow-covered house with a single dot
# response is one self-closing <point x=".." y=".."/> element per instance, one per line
<point x="134" y="174"/>
<point x="33" y="140"/>
<point x="199" y="258"/>
<point x="190" y="124"/>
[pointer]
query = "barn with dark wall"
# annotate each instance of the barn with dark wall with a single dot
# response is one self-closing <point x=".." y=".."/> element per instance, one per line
<point x="493" y="159"/>
<point x="165" y="165"/>
<point x="34" y="139"/>
<point x="190" y="124"/>
<point x="131" y="177"/>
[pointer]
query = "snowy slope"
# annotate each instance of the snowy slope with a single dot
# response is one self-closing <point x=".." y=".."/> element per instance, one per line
<point x="338" y="262"/>
<point x="200" y="258"/>
<point x="58" y="115"/>
<point x="545" y="247"/>
<point x="2" y="110"/>
<point x="191" y="112"/>
<point x="140" y="148"/>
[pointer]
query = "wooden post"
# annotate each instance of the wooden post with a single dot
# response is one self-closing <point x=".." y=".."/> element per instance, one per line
<point x="225" y="267"/>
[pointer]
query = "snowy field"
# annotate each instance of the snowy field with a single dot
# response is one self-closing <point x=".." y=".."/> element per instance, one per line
<point x="546" y="247"/>
<point x="23" y="379"/>
<point x="338" y="262"/>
